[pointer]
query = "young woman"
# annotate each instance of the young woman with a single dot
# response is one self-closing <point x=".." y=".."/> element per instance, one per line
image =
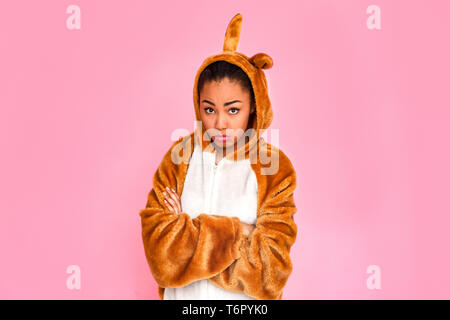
<point x="218" y="222"/>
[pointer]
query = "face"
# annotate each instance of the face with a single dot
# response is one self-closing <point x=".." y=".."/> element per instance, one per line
<point x="225" y="110"/>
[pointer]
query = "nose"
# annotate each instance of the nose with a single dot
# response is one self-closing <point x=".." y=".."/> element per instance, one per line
<point x="221" y="122"/>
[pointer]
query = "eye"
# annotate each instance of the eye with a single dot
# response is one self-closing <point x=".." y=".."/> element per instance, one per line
<point x="236" y="109"/>
<point x="208" y="108"/>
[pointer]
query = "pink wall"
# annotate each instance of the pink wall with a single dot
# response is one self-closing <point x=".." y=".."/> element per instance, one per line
<point x="86" y="116"/>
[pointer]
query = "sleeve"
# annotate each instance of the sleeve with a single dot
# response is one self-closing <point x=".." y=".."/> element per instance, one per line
<point x="264" y="264"/>
<point x="178" y="249"/>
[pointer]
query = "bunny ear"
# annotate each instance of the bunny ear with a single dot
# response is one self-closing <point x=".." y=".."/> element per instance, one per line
<point x="232" y="34"/>
<point x="261" y="60"/>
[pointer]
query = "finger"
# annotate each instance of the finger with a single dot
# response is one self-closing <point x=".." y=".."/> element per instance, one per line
<point x="173" y="192"/>
<point x="173" y="204"/>
<point x="169" y="196"/>
<point x="244" y="228"/>
<point x="175" y="198"/>
<point x="178" y="203"/>
<point x="168" y="205"/>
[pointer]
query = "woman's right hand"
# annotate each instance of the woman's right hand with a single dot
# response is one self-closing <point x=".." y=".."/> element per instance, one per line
<point x="173" y="201"/>
<point x="247" y="228"/>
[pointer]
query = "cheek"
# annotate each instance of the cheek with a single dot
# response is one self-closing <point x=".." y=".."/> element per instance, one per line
<point x="206" y="122"/>
<point x="243" y="122"/>
<point x="239" y="123"/>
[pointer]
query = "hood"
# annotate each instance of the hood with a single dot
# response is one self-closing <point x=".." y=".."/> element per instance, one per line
<point x="253" y="66"/>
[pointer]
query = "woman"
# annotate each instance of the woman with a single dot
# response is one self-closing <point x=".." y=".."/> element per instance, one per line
<point x="218" y="222"/>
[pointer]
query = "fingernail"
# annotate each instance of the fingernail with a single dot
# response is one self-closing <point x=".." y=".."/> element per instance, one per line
<point x="165" y="201"/>
<point x="164" y="193"/>
<point x="173" y="190"/>
<point x="167" y="188"/>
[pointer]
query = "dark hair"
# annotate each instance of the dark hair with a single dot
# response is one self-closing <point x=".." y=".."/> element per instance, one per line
<point x="223" y="69"/>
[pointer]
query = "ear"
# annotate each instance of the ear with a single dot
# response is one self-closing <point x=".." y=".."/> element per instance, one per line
<point x="262" y="61"/>
<point x="233" y="33"/>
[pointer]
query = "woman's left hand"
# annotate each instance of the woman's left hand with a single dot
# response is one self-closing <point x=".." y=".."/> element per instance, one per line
<point x="247" y="228"/>
<point x="173" y="202"/>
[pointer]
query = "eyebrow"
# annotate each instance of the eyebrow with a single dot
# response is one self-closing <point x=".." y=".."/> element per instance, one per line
<point x="226" y="103"/>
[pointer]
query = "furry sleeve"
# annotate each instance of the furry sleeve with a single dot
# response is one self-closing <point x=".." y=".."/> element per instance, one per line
<point x="180" y="250"/>
<point x="264" y="264"/>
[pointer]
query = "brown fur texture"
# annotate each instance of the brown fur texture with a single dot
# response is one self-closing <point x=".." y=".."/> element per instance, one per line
<point x="180" y="250"/>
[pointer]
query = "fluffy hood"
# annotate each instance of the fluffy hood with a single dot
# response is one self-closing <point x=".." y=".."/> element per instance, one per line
<point x="253" y="66"/>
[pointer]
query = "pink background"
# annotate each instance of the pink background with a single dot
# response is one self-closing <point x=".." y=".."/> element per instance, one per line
<point x="86" y="116"/>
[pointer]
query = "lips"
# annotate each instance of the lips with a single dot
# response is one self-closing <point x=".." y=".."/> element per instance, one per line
<point x="222" y="138"/>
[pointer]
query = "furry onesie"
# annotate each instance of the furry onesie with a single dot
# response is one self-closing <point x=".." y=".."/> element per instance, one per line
<point x="202" y="253"/>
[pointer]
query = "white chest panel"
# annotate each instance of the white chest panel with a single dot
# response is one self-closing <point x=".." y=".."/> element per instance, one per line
<point x="228" y="189"/>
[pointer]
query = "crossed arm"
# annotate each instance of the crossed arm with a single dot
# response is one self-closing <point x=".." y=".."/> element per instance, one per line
<point x="181" y="250"/>
<point x="173" y="203"/>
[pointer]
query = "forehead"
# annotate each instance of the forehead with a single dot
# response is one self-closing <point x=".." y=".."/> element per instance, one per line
<point x="223" y="87"/>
